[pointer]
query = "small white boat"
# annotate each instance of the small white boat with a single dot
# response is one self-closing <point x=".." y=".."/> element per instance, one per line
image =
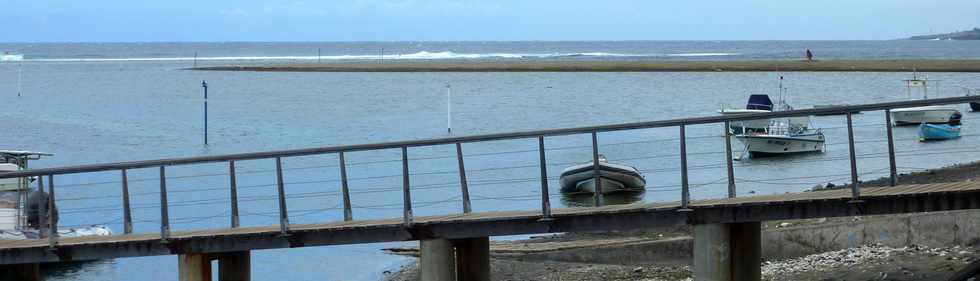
<point x="17" y="202"/>
<point x="765" y="144"/>
<point x="7" y="56"/>
<point x="581" y="178"/>
<point x="934" y="114"/>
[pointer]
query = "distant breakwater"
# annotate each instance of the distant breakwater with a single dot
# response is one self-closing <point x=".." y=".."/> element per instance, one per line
<point x="615" y="66"/>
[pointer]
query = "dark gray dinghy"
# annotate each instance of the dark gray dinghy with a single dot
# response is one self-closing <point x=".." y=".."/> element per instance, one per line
<point x="615" y="177"/>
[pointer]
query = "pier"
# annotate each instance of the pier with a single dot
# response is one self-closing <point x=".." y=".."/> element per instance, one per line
<point x="455" y="246"/>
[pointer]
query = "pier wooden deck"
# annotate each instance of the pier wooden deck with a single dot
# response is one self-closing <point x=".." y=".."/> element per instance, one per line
<point x="802" y="205"/>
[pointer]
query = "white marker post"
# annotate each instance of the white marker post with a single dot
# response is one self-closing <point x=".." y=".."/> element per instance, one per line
<point x="204" y="84"/>
<point x="449" y="110"/>
<point x="20" y="78"/>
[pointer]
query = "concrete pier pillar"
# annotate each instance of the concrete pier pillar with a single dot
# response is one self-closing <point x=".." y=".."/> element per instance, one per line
<point x="473" y="259"/>
<point x="746" y="251"/>
<point x="26" y="272"/>
<point x="725" y="252"/>
<point x="712" y="250"/>
<point x="194" y="267"/>
<point x="437" y="260"/>
<point x="235" y="266"/>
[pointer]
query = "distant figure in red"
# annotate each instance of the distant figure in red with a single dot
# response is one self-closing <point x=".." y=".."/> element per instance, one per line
<point x="809" y="55"/>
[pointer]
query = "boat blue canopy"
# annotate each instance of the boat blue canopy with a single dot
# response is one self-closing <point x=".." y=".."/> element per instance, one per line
<point x="759" y="102"/>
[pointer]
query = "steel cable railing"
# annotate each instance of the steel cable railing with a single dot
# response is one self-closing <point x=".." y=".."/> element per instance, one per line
<point x="406" y="188"/>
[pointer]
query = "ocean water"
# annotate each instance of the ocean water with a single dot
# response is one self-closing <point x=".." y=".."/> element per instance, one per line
<point x="108" y="102"/>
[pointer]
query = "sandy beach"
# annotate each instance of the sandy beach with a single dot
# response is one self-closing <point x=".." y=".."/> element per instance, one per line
<point x="614" y="66"/>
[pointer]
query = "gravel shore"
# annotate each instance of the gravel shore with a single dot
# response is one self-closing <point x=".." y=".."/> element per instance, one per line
<point x="870" y="262"/>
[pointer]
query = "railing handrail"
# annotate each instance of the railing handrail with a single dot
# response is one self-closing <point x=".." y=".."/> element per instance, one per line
<point x="480" y="138"/>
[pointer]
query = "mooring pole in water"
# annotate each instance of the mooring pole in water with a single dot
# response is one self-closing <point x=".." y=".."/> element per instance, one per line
<point x="317" y="55"/>
<point x="204" y="84"/>
<point x="449" y="109"/>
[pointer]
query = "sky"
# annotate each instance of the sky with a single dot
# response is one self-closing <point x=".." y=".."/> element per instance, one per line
<point x="487" y="20"/>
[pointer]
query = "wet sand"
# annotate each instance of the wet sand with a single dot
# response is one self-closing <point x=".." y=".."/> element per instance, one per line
<point x="615" y="66"/>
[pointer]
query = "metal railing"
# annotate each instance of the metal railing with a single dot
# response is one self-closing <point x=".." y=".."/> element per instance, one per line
<point x="540" y="135"/>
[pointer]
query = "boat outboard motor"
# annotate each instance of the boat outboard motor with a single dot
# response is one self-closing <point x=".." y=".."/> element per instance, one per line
<point x="34" y="201"/>
<point x="955" y="119"/>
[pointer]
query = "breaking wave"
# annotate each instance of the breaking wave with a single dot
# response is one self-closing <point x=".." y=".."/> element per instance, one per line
<point x="423" y="55"/>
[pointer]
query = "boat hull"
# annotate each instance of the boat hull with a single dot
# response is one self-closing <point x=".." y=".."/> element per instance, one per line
<point x="762" y="145"/>
<point x="975" y="106"/>
<point x="929" y="132"/>
<point x="615" y="178"/>
<point x="926" y="114"/>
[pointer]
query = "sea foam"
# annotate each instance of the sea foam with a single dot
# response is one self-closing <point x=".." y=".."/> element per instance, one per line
<point x="422" y="55"/>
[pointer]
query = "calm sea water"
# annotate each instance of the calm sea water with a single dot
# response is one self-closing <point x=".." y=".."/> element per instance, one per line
<point x="91" y="103"/>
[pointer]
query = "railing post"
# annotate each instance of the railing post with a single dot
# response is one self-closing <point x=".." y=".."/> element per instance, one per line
<point x="233" y="193"/>
<point x="597" y="195"/>
<point x="406" y="193"/>
<point x="728" y="161"/>
<point x="42" y="220"/>
<point x="892" y="169"/>
<point x="685" y="189"/>
<point x="545" y="198"/>
<point x="283" y="212"/>
<point x="345" y="192"/>
<point x="462" y="179"/>
<point x="52" y="222"/>
<point x="164" y="216"/>
<point x="855" y="192"/>
<point x="127" y="212"/>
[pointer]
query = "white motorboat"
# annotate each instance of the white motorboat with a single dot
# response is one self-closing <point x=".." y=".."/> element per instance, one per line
<point x="933" y="114"/>
<point x="760" y="104"/>
<point x="615" y="177"/>
<point x="766" y="144"/>
<point x="18" y="201"/>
